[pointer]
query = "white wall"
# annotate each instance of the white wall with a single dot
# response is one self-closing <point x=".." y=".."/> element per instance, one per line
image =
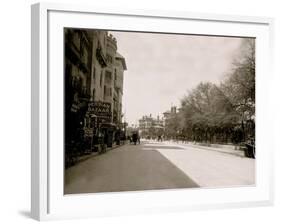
<point x="15" y="111"/>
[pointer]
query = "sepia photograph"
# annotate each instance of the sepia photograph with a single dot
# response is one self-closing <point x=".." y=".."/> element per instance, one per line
<point x="157" y="111"/>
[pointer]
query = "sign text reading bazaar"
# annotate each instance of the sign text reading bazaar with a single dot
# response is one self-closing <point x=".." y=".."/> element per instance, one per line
<point x="100" y="109"/>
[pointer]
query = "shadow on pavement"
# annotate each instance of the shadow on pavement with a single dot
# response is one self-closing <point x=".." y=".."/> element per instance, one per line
<point x="129" y="169"/>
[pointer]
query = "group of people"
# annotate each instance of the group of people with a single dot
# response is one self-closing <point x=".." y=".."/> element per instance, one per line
<point x="134" y="138"/>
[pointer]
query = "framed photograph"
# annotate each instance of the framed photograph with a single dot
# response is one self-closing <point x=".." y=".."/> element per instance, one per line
<point x="148" y="111"/>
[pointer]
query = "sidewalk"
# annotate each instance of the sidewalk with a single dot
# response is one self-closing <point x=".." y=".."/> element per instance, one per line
<point x="88" y="156"/>
<point x="228" y="149"/>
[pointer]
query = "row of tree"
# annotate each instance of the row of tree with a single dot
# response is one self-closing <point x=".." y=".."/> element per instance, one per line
<point x="220" y="113"/>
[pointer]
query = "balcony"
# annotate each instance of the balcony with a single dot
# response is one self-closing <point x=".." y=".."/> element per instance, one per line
<point x="101" y="58"/>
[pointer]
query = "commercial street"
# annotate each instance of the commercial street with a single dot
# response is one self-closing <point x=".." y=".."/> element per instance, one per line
<point x="158" y="165"/>
<point x="111" y="95"/>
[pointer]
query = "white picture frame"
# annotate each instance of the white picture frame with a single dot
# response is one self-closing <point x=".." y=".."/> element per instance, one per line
<point x="47" y="201"/>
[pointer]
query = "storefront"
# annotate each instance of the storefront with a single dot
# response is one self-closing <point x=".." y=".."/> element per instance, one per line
<point x="98" y="119"/>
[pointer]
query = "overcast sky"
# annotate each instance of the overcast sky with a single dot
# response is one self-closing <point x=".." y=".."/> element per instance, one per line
<point x="162" y="68"/>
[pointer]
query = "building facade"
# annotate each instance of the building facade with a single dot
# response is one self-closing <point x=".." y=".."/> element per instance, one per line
<point x="93" y="86"/>
<point x="168" y="115"/>
<point x="150" y="127"/>
<point x="170" y="127"/>
<point x="120" y="67"/>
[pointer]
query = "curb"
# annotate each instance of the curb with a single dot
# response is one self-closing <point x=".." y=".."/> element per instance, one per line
<point x="86" y="157"/>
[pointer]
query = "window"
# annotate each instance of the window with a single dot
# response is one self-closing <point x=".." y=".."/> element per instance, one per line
<point x="94" y="74"/>
<point x="84" y="55"/>
<point x="101" y="78"/>
<point x="104" y="92"/>
<point x="108" y="77"/>
<point x="94" y="94"/>
<point x="76" y="40"/>
<point x="109" y="58"/>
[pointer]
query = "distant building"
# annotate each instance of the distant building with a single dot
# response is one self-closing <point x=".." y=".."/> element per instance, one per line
<point x="151" y="127"/>
<point x="168" y="115"/>
<point x="145" y="123"/>
<point x="168" y="121"/>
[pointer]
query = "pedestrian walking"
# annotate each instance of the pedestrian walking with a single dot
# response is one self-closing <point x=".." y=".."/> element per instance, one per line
<point x="135" y="138"/>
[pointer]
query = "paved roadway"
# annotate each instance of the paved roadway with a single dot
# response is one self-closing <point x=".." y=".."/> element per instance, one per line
<point x="154" y="165"/>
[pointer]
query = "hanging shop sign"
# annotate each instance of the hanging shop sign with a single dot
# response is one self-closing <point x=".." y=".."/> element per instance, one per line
<point x="100" y="109"/>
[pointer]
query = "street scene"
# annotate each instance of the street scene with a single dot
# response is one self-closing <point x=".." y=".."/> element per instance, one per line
<point x="151" y="111"/>
<point x="160" y="165"/>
